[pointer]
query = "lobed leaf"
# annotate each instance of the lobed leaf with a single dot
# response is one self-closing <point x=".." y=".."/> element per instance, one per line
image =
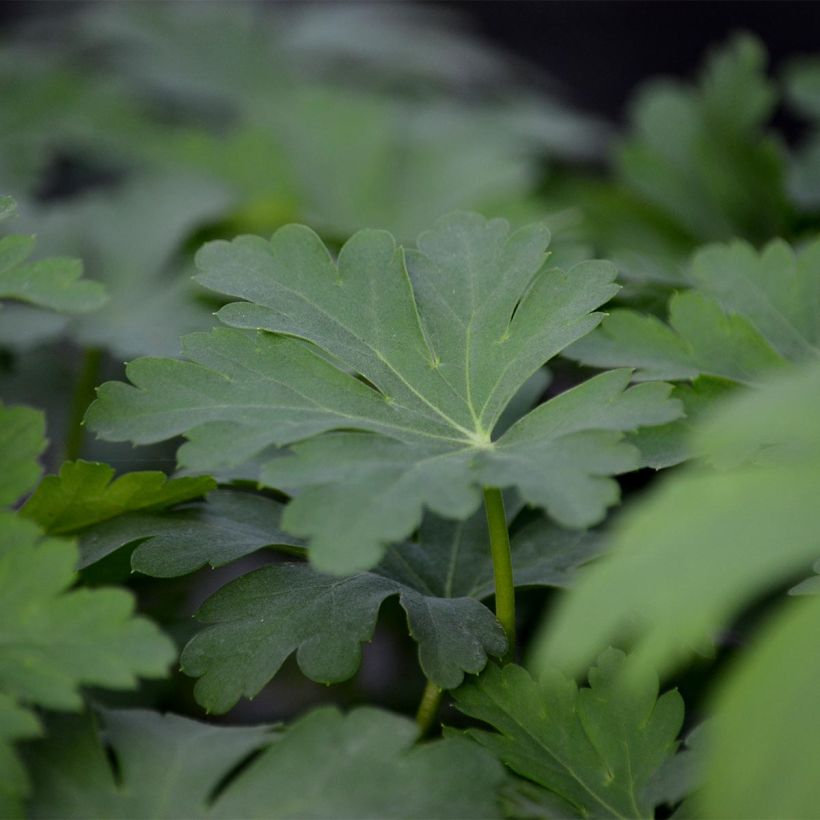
<point x="255" y="622"/>
<point x="175" y="767"/>
<point x="596" y="748"/>
<point x="86" y="493"/>
<point x="54" y="283"/>
<point x="441" y="352"/>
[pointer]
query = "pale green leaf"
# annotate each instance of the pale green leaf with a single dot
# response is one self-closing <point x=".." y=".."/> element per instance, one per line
<point x="749" y="314"/>
<point x="130" y="239"/>
<point x="596" y="748"/>
<point x="443" y="352"/>
<point x="55" y="639"/>
<point x="16" y="723"/>
<point x="54" y="283"/>
<point x="22" y="440"/>
<point x="86" y="493"/>
<point x="763" y="746"/>
<point x="701" y="154"/>
<point x="706" y="543"/>
<point x="324" y="765"/>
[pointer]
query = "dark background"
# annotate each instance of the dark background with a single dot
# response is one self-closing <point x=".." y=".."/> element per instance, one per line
<point x="597" y="51"/>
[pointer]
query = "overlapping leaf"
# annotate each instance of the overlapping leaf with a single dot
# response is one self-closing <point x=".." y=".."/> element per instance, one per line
<point x="748" y="314"/>
<point x="596" y="750"/>
<point x="442" y="353"/>
<point x="701" y="154"/>
<point x="324" y="765"/>
<point x="86" y="493"/>
<point x="54" y="639"/>
<point x="54" y="283"/>
<point x="257" y="621"/>
<point x="149" y="306"/>
<point x="718" y="538"/>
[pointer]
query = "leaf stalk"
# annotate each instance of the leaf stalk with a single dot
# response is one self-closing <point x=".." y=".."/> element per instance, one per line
<point x="502" y="566"/>
<point x="428" y="707"/>
<point x="82" y="398"/>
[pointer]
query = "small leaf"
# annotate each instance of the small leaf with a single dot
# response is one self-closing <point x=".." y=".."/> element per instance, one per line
<point x="55" y="283"/>
<point x="86" y="493"/>
<point x="749" y="314"/>
<point x="596" y="748"/>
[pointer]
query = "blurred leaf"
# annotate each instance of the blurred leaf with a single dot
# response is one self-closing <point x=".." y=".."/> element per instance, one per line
<point x="324" y="765"/>
<point x="763" y="745"/>
<point x="54" y="283"/>
<point x="701" y="154"/>
<point x="130" y="238"/>
<point x="22" y="440"/>
<point x="597" y="748"/>
<point x="706" y="543"/>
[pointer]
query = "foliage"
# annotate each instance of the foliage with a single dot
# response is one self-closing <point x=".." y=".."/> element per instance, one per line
<point x="596" y="748"/>
<point x="440" y="364"/>
<point x="366" y="387"/>
<point x="54" y="639"/>
<point x="172" y="766"/>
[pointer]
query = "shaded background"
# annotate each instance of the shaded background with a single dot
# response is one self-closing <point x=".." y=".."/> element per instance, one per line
<point x="597" y="51"/>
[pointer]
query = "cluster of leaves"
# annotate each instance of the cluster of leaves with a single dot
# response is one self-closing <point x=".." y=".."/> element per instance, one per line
<point x="370" y="381"/>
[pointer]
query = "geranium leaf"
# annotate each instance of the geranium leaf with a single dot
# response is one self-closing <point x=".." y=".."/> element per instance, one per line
<point x="597" y="748"/>
<point x="325" y="764"/>
<point x="54" y="283"/>
<point x="749" y="313"/>
<point x="152" y="299"/>
<point x="86" y="493"/>
<point x="441" y="352"/>
<point x="255" y="622"/>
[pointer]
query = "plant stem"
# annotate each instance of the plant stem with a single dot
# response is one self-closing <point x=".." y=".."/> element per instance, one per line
<point x="502" y="566"/>
<point x="428" y="708"/>
<point x="83" y="396"/>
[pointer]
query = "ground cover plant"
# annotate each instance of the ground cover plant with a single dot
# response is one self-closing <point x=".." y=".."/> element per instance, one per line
<point x="465" y="457"/>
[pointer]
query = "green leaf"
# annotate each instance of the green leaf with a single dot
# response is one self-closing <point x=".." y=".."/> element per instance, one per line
<point x="748" y="315"/>
<point x="16" y="723"/>
<point x="701" y="154"/>
<point x="229" y="526"/>
<point x="764" y="742"/>
<point x="442" y="352"/>
<point x="258" y="620"/>
<point x="719" y="538"/>
<point x="597" y="748"/>
<point x="55" y="283"/>
<point x="325" y="764"/>
<point x="56" y="639"/>
<point x="152" y="300"/>
<point x="86" y="493"/>
<point x="22" y="440"/>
